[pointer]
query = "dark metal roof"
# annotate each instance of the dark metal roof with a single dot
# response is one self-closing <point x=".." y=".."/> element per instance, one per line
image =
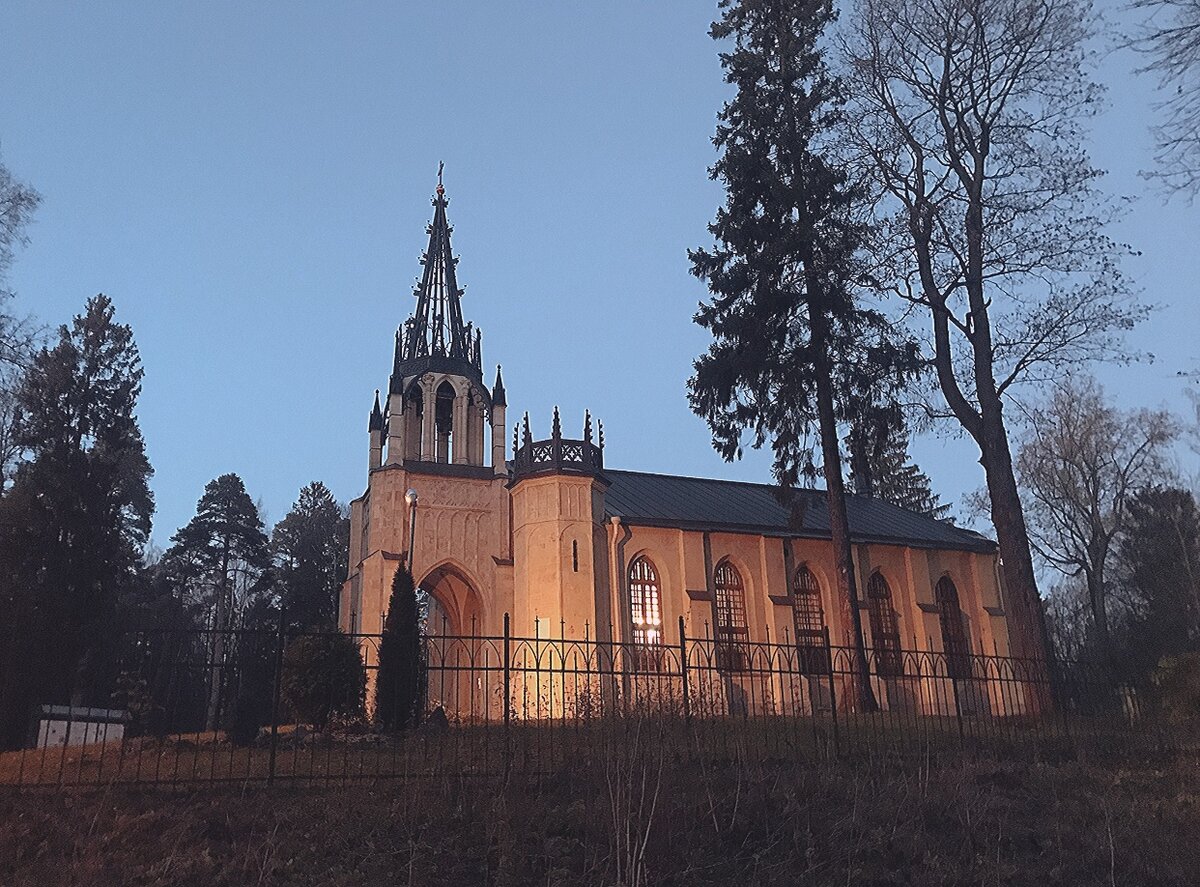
<point x="663" y="500"/>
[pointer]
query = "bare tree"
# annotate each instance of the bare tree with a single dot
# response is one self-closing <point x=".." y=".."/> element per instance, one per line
<point x="969" y="114"/>
<point x="1080" y="463"/>
<point x="1170" y="36"/>
<point x="18" y="337"/>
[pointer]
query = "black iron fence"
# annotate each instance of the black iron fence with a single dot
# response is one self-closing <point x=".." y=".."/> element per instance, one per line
<point x="189" y="706"/>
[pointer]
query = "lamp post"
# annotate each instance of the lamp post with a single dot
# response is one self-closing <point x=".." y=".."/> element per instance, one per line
<point x="411" y="498"/>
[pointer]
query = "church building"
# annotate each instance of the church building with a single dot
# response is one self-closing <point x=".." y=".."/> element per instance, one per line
<point x="570" y="547"/>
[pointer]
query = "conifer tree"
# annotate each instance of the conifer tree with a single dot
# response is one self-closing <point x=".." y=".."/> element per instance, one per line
<point x="400" y="678"/>
<point x="880" y="465"/>
<point x="1158" y="565"/>
<point x="76" y="519"/>
<point x="310" y="547"/>
<point x="221" y="558"/>
<point x="784" y="271"/>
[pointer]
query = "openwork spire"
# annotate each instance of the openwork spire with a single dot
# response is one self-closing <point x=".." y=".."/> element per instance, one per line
<point x="436" y="328"/>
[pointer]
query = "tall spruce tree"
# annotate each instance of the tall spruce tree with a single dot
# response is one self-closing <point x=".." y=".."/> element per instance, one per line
<point x="786" y="324"/>
<point x="1158" y="565"/>
<point x="310" y="547"/>
<point x="881" y="467"/>
<point x="221" y="561"/>
<point x="74" y="523"/>
<point x="400" y="678"/>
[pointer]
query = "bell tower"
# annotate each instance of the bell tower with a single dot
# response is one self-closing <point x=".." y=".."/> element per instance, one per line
<point x="428" y="435"/>
<point x="437" y="409"/>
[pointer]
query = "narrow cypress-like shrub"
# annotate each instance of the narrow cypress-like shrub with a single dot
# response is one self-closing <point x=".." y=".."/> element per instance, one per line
<point x="400" y="678"/>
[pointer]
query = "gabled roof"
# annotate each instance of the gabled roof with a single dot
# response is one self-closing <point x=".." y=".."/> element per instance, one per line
<point x="662" y="500"/>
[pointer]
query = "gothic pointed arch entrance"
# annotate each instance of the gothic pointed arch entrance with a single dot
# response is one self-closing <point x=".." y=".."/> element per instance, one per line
<point x="457" y="658"/>
<point x="455" y="608"/>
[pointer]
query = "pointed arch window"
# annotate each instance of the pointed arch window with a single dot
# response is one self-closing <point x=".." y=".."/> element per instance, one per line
<point x="808" y="619"/>
<point x="444" y="422"/>
<point x="885" y="627"/>
<point x="732" y="633"/>
<point x="645" y="605"/>
<point x="954" y="630"/>
<point x="414" y="422"/>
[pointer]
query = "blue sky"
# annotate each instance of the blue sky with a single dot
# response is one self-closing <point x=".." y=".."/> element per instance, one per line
<point x="251" y="185"/>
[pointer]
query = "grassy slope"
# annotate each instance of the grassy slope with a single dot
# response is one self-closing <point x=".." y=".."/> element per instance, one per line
<point x="961" y="823"/>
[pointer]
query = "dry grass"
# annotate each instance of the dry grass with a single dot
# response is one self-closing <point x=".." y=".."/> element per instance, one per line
<point x="548" y="746"/>
<point x="905" y="823"/>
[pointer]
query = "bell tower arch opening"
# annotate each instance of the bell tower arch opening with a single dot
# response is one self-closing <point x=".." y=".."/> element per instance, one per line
<point x="439" y="410"/>
<point x="447" y="441"/>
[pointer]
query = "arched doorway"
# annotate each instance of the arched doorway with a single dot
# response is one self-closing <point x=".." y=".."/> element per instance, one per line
<point x="458" y="661"/>
<point x="452" y="605"/>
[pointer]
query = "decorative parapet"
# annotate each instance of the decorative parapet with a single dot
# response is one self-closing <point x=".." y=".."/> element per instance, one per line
<point x="558" y="454"/>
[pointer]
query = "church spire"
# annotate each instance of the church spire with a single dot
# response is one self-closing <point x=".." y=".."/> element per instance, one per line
<point x="436" y="328"/>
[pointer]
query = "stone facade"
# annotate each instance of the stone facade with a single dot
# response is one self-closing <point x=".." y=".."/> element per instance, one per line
<point x="539" y="539"/>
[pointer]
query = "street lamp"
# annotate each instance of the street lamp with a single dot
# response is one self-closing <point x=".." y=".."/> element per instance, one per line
<point x="411" y="498"/>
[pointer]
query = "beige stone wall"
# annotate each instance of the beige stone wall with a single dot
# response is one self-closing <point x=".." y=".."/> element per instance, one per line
<point x="558" y="555"/>
<point x="462" y="530"/>
<point x="544" y="552"/>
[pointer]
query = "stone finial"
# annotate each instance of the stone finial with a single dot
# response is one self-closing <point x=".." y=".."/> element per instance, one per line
<point x="556" y="426"/>
<point x="600" y="426"/>
<point x="376" y="423"/>
<point x="499" y="397"/>
<point x="516" y="438"/>
<point x="528" y="436"/>
<point x="587" y="426"/>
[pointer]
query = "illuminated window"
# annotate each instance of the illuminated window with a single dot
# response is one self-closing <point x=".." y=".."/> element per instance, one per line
<point x="645" y="604"/>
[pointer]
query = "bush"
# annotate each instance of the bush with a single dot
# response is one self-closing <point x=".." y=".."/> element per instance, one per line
<point x="1178" y="681"/>
<point x="244" y="721"/>
<point x="323" y="676"/>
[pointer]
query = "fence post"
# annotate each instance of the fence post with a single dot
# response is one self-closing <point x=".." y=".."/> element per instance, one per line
<point x="833" y="703"/>
<point x="279" y="638"/>
<point x="683" y="671"/>
<point x="507" y="673"/>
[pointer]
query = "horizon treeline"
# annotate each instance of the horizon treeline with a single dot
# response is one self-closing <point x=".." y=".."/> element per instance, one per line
<point x="82" y="593"/>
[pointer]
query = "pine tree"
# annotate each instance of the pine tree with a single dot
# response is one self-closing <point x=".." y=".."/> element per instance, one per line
<point x="221" y="559"/>
<point x="1158" y="567"/>
<point x="310" y="547"/>
<point x="76" y="519"/>
<point x="786" y="323"/>
<point x="400" y="678"/>
<point x="880" y="465"/>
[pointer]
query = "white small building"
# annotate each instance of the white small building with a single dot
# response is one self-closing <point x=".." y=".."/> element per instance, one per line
<point x="60" y="725"/>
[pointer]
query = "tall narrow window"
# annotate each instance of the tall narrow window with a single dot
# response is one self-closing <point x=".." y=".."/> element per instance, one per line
<point x="885" y="627"/>
<point x="645" y="606"/>
<point x="731" y="634"/>
<point x="414" y="422"/>
<point x="954" y="633"/>
<point x="808" y="617"/>
<point x="444" y="422"/>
